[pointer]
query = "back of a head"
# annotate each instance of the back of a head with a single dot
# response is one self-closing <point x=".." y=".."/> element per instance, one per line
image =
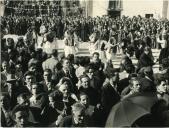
<point x="56" y="95"/>
<point x="54" y="53"/>
<point x="70" y="57"/>
<point x="49" y="37"/>
<point x="129" y="68"/>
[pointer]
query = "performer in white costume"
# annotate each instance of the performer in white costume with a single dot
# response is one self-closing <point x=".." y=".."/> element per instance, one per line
<point x="70" y="43"/>
<point x="110" y="45"/>
<point x="94" y="42"/>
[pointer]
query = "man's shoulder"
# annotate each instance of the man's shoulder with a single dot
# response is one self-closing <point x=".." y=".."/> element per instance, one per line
<point x="143" y="55"/>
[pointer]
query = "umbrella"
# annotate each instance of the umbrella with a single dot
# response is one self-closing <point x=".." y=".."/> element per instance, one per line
<point x="130" y="109"/>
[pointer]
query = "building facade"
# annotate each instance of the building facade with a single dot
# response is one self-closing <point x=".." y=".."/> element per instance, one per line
<point x="156" y="8"/>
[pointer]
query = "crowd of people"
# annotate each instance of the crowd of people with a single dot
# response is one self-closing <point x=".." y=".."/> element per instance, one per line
<point x="42" y="87"/>
<point x="41" y="8"/>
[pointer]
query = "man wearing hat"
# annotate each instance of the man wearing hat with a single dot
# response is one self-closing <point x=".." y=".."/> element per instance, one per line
<point x="12" y="89"/>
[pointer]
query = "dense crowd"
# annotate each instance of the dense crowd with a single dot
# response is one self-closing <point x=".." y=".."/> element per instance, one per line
<point x="41" y="8"/>
<point x="42" y="87"/>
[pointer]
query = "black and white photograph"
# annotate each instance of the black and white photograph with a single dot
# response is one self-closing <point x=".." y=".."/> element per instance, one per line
<point x="84" y="63"/>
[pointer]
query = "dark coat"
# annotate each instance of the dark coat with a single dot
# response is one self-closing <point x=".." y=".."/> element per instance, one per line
<point x="93" y="94"/>
<point x="41" y="101"/>
<point x="95" y="83"/>
<point x="71" y="75"/>
<point x="67" y="105"/>
<point x="145" y="61"/>
<point x="109" y="97"/>
<point x="127" y="60"/>
<point x="6" y="122"/>
<point x="125" y="91"/>
<point x="69" y="122"/>
<point x="147" y="85"/>
<point x="123" y="83"/>
<point x="164" y="53"/>
<point x="97" y="72"/>
<point x="49" y="112"/>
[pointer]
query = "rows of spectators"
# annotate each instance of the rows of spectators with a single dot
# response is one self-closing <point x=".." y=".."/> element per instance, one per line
<point x="49" y="89"/>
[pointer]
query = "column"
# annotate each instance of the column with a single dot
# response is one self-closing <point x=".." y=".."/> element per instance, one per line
<point x="165" y="9"/>
<point x="89" y="7"/>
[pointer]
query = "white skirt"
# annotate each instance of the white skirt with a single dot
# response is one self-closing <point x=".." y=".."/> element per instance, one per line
<point x="69" y="50"/>
<point x="47" y="47"/>
<point x="92" y="48"/>
<point x="109" y="56"/>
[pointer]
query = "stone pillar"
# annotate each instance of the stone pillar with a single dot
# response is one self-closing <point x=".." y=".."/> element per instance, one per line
<point x="168" y="11"/>
<point x="165" y="8"/>
<point x="2" y="7"/>
<point x="89" y="6"/>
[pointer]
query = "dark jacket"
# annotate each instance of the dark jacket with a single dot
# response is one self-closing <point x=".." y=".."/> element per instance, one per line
<point x="70" y="75"/>
<point x="93" y="94"/>
<point x="46" y="88"/>
<point x="109" y="97"/>
<point x="164" y="53"/>
<point x="49" y="112"/>
<point x="6" y="122"/>
<point x="145" y="61"/>
<point x="69" y="122"/>
<point x="147" y="85"/>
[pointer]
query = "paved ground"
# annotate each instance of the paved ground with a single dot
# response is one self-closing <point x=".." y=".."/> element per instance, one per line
<point x="83" y="51"/>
